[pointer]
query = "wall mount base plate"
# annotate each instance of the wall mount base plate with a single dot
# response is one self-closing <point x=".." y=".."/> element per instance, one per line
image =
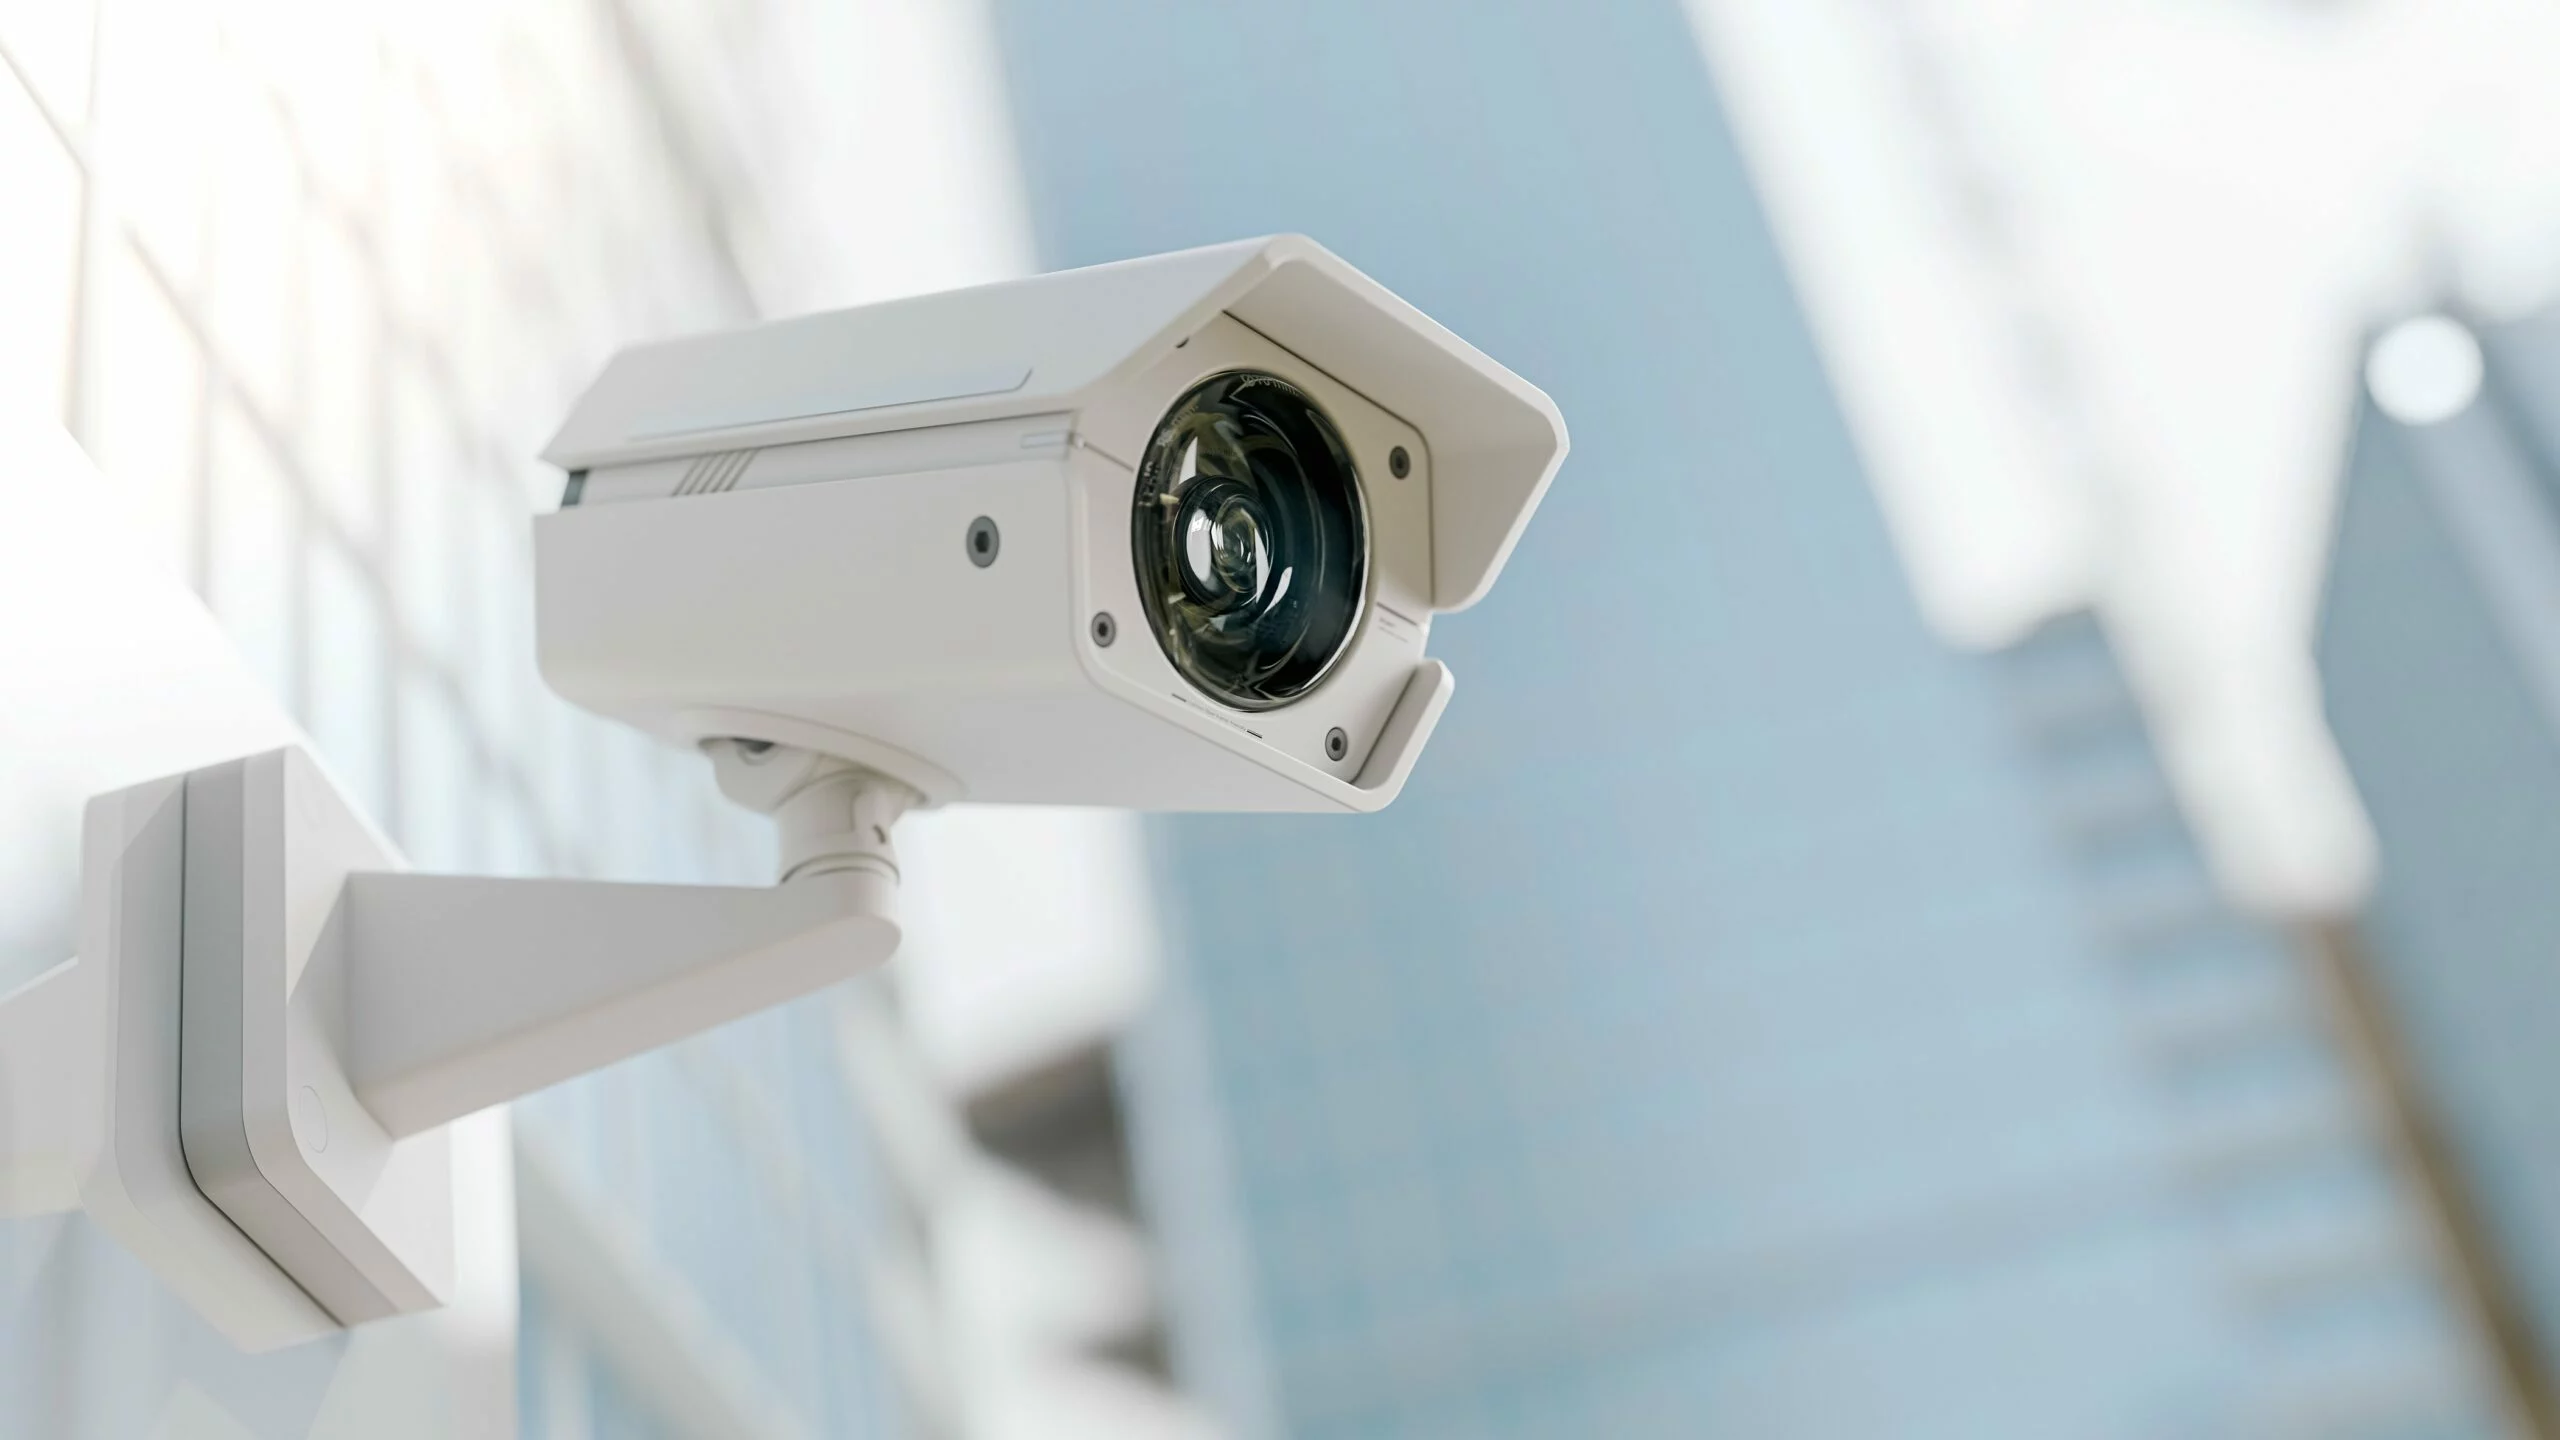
<point x="231" y="1155"/>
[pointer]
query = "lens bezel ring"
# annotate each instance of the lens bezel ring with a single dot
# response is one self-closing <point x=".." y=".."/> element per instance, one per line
<point x="1153" y="596"/>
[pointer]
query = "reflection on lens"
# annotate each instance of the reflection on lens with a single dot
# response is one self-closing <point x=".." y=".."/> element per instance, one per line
<point x="1252" y="540"/>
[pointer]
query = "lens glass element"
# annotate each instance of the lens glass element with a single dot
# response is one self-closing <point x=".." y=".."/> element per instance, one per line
<point x="1252" y="540"/>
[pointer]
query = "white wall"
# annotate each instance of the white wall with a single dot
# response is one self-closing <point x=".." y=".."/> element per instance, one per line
<point x="314" y="281"/>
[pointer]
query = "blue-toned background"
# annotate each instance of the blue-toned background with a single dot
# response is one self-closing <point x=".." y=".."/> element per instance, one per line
<point x="1737" y="1028"/>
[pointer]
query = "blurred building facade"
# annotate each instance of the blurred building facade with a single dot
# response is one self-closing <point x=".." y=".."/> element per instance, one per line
<point x="2440" y="660"/>
<point x="2089" y="280"/>
<point x="1757" y="1018"/>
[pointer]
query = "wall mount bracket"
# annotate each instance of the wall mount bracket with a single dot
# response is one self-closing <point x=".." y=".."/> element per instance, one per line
<point x="282" y="1018"/>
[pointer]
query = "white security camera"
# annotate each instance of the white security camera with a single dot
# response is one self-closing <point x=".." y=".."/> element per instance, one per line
<point x="1167" y="534"/>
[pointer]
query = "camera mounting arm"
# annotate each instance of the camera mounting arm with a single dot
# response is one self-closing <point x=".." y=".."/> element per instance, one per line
<point x="289" y="1018"/>
<point x="467" y="991"/>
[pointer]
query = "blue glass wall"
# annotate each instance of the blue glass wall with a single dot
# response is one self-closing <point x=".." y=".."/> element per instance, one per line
<point x="1716" y="1038"/>
<point x="738" y="1164"/>
<point x="2440" y="654"/>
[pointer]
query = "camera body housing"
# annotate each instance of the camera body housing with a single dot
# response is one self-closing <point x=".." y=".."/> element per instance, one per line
<point x="901" y="534"/>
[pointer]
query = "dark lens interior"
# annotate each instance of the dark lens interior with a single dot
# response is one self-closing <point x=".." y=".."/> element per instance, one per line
<point x="1251" y="540"/>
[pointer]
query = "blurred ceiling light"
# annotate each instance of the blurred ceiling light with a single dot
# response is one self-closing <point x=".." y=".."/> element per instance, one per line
<point x="2424" y="370"/>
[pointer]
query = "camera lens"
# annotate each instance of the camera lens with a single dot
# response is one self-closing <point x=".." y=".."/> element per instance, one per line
<point x="1252" y="540"/>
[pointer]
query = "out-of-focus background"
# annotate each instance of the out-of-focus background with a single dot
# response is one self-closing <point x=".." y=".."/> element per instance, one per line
<point x="1994" y="870"/>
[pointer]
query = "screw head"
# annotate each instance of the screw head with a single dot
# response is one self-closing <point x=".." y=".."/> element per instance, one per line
<point x="309" y="1119"/>
<point x="1105" y="629"/>
<point x="1399" y="464"/>
<point x="1336" y="744"/>
<point x="984" y="541"/>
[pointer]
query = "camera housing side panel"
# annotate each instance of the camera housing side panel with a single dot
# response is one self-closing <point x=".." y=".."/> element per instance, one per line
<point x="853" y="617"/>
<point x="841" y="605"/>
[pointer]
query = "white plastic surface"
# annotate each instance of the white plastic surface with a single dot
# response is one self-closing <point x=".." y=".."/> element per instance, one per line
<point x="805" y="582"/>
<point x="272" y="1129"/>
<point x="136" y="1184"/>
<point x="471" y="991"/>
<point x="1495" y="439"/>
<point x="1069" y="331"/>
<point x="815" y="604"/>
